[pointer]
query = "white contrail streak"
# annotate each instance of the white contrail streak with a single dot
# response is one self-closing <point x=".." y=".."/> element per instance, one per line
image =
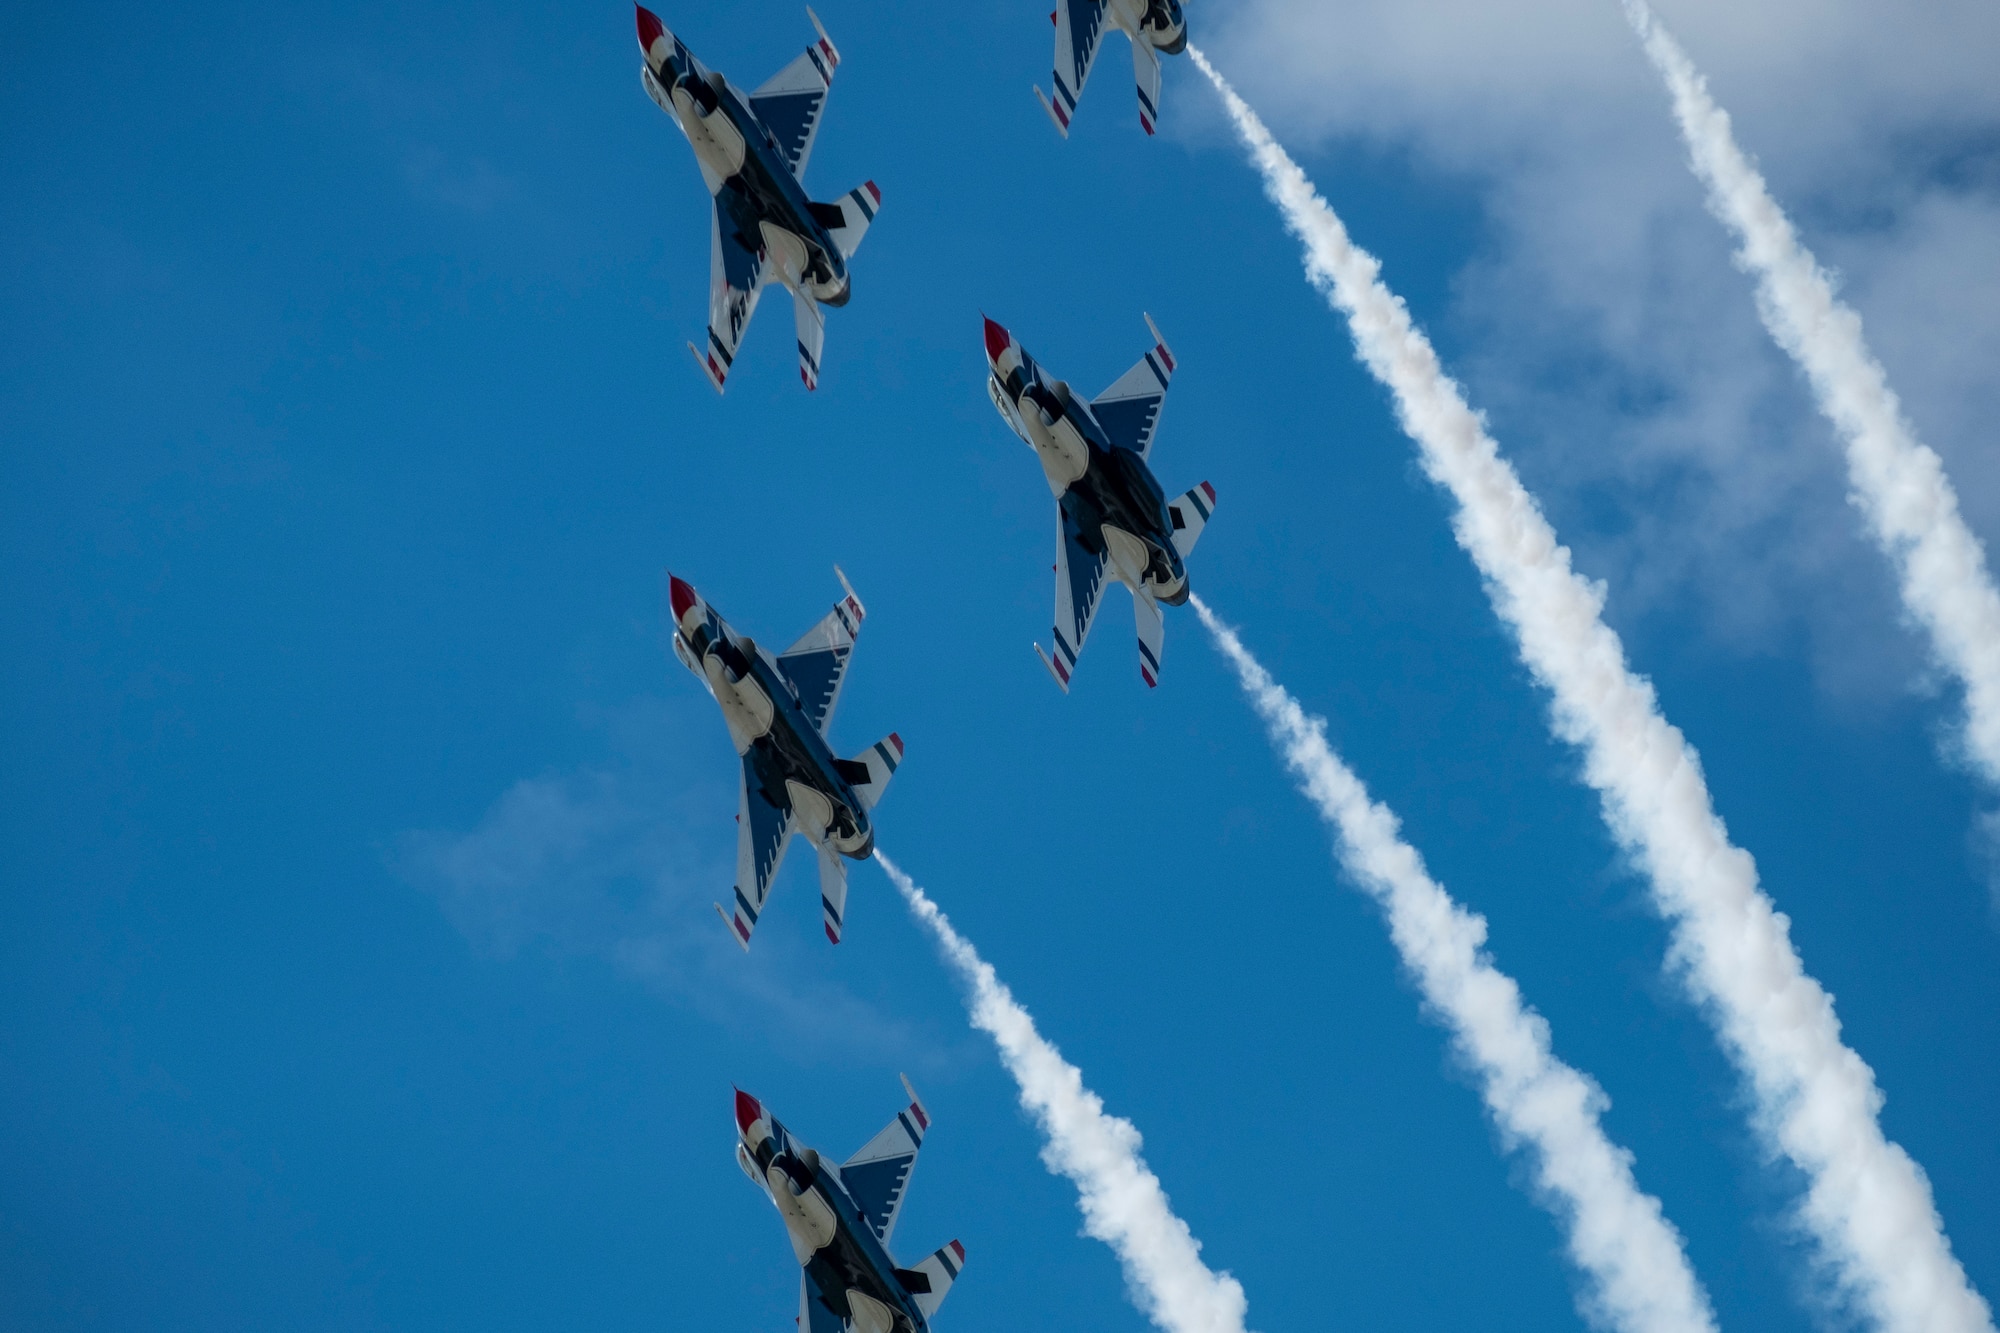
<point x="1898" y="483"/>
<point x="1122" y="1202"/>
<point x="1867" y="1203"/>
<point x="1639" y="1277"/>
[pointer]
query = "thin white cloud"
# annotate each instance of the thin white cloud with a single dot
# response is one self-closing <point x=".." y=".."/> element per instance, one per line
<point x="1594" y="314"/>
<point x="1638" y="1276"/>
<point x="1867" y="1205"/>
<point x="1122" y="1201"/>
<point x="619" y="861"/>
<point x="1898" y="483"/>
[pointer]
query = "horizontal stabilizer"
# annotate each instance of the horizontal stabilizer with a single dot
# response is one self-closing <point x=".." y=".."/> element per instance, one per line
<point x="812" y="336"/>
<point x="1152" y="636"/>
<point x="1190" y="515"/>
<point x="832" y="889"/>
<point x="1146" y="73"/>
<point x="881" y="759"/>
<point x="930" y="1281"/>
<point x="857" y="208"/>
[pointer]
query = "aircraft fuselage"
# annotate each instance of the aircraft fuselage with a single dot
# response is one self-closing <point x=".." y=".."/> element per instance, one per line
<point x="768" y="725"/>
<point x="748" y="174"/>
<point x="1109" y="492"/>
<point x="845" y="1264"/>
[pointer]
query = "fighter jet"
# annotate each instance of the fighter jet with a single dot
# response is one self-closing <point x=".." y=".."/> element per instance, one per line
<point x="777" y="709"/>
<point x="1112" y="515"/>
<point x="1154" y="26"/>
<point x="839" y="1219"/>
<point x="752" y="151"/>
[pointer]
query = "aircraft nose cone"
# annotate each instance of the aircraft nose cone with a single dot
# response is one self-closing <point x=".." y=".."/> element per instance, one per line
<point x="650" y="27"/>
<point x="748" y="1110"/>
<point x="997" y="340"/>
<point x="678" y="592"/>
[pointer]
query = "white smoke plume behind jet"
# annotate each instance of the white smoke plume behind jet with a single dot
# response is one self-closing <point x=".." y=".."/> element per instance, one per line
<point x="1867" y="1204"/>
<point x="1639" y="1279"/>
<point x="1122" y="1201"/>
<point x="1898" y="483"/>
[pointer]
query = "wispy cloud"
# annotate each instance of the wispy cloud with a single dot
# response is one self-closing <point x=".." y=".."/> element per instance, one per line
<point x="1639" y="1278"/>
<point x="1122" y="1200"/>
<point x="1868" y="1205"/>
<point x="1596" y="318"/>
<point x="1897" y="482"/>
<point x="619" y="861"/>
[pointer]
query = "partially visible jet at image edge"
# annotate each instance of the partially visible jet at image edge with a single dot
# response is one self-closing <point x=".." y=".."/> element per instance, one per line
<point x="839" y="1220"/>
<point x="777" y="710"/>
<point x="1111" y="515"/>
<point x="752" y="150"/>
<point x="1156" y="27"/>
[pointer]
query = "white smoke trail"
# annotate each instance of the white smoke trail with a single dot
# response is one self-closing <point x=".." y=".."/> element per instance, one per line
<point x="1639" y="1277"/>
<point x="1867" y="1204"/>
<point x="1896" y="482"/>
<point x="1122" y="1202"/>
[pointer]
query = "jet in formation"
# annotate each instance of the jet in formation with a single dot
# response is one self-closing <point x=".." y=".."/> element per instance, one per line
<point x="1112" y="517"/>
<point x="839" y="1219"/>
<point x="752" y="150"/>
<point x="777" y="710"/>
<point x="1155" y="27"/>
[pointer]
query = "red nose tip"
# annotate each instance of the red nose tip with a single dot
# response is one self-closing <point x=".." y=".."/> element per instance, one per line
<point x="650" y="27"/>
<point x="997" y="340"/>
<point x="748" y="1111"/>
<point x="681" y="596"/>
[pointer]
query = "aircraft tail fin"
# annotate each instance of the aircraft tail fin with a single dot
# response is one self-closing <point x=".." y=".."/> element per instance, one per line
<point x="1152" y="636"/>
<point x="857" y="208"/>
<point x="1190" y="515"/>
<point x="930" y="1281"/>
<point x="870" y="771"/>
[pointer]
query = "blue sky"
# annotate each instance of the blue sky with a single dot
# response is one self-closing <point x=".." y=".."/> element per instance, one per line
<point x="356" y="960"/>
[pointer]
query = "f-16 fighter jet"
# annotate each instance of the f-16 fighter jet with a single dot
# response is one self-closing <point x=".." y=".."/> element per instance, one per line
<point x="1112" y="516"/>
<point x="777" y="709"/>
<point x="752" y="150"/>
<point x="839" y="1219"/>
<point x="1154" y="26"/>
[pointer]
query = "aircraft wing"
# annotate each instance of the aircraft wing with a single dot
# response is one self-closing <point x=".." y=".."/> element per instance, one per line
<point x="1079" y="590"/>
<point x="1079" y="33"/>
<point x="790" y="101"/>
<point x="817" y="664"/>
<point x="1129" y="410"/>
<point x="763" y="832"/>
<point x="735" y="281"/>
<point x="878" y="1176"/>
